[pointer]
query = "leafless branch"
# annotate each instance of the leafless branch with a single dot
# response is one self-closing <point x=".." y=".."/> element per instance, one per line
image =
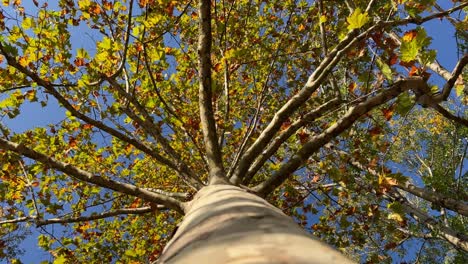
<point x="451" y="81"/>
<point x="452" y="20"/>
<point x="123" y="211"/>
<point x="436" y="198"/>
<point x="16" y="220"/>
<point x="180" y="195"/>
<point x="455" y="238"/>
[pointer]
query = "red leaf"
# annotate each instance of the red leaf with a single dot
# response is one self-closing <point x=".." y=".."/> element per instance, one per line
<point x="388" y="113"/>
<point x="375" y="131"/>
<point x="72" y="142"/>
<point x="393" y="59"/>
<point x="303" y="136"/>
<point x="407" y="64"/>
<point x="170" y="8"/>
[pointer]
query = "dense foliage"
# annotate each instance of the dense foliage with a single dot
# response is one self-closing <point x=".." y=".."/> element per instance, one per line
<point x="338" y="112"/>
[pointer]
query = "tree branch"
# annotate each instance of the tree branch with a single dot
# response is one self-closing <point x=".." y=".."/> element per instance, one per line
<point x="449" y="115"/>
<point x="205" y="96"/>
<point x="149" y="127"/>
<point x="91" y="178"/>
<point x="341" y="125"/>
<point x="123" y="211"/>
<point x="314" y="81"/>
<point x="16" y="220"/>
<point x="284" y="135"/>
<point x="457" y="239"/>
<point x="436" y="198"/>
<point x="451" y="81"/>
<point x="168" y="107"/>
<point x="50" y="89"/>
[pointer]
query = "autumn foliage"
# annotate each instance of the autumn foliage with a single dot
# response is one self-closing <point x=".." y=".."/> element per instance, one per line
<point x="343" y="114"/>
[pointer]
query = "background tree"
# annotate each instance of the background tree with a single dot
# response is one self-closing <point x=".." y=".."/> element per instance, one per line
<point x="336" y="112"/>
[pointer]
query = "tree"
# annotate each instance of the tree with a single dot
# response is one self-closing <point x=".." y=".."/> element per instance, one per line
<point x="184" y="125"/>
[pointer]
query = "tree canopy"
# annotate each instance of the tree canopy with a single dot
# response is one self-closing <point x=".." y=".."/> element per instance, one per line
<point x="340" y="113"/>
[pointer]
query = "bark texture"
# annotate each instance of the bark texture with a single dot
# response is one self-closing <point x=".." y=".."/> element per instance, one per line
<point x="225" y="224"/>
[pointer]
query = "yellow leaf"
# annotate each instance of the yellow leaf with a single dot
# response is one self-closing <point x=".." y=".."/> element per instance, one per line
<point x="301" y="27"/>
<point x="357" y="19"/>
<point x="396" y="217"/>
<point x="323" y="19"/>
<point x="27" y="23"/>
<point x="60" y="260"/>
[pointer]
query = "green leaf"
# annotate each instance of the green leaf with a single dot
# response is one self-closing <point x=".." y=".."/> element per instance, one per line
<point x="357" y="19"/>
<point x="403" y="104"/>
<point x="385" y="69"/>
<point x="459" y="89"/>
<point x="409" y="51"/>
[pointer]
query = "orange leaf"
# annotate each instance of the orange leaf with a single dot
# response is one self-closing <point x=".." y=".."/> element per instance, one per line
<point x="352" y="87"/>
<point x="79" y="62"/>
<point x="218" y="67"/>
<point x="409" y="35"/>
<point x="316" y="178"/>
<point x="301" y="27"/>
<point x="87" y="126"/>
<point x="96" y="9"/>
<point x="142" y="3"/>
<point x="170" y="8"/>
<point x="414" y="71"/>
<point x="285" y="124"/>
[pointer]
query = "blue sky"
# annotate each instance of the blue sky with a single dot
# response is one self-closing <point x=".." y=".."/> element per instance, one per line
<point x="33" y="115"/>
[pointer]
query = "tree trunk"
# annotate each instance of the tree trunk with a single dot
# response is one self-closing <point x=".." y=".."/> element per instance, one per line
<point x="225" y="224"/>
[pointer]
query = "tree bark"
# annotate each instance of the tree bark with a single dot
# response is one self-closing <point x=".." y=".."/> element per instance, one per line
<point x="226" y="224"/>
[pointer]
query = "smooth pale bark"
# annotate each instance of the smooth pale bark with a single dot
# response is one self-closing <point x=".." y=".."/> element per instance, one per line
<point x="226" y="224"/>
